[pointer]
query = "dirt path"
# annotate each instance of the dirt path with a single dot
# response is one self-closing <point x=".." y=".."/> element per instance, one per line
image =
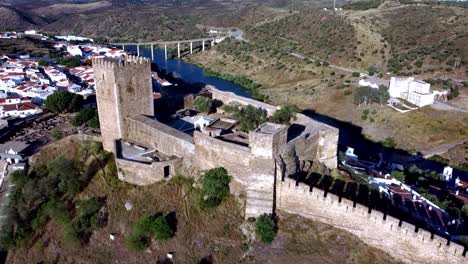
<point x="441" y="149"/>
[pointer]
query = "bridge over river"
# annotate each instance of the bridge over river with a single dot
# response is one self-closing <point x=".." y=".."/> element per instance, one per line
<point x="203" y="41"/>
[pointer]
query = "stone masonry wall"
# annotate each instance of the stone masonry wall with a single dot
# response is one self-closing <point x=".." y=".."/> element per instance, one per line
<point x="124" y="88"/>
<point x="229" y="97"/>
<point x="399" y="240"/>
<point x="169" y="141"/>
<point x="144" y="174"/>
<point x="211" y="153"/>
<point x="106" y="98"/>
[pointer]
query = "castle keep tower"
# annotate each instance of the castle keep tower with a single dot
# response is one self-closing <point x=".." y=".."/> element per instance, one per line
<point x="123" y="89"/>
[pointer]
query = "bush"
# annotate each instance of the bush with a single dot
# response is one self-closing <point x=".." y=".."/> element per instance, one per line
<point x="138" y="242"/>
<point x="265" y="228"/>
<point x="372" y="70"/>
<point x="70" y="61"/>
<point x="57" y="134"/>
<point x="63" y="102"/>
<point x="285" y="114"/>
<point x="202" y="104"/>
<point x="84" y="116"/>
<point x="399" y="175"/>
<point x="389" y="143"/>
<point x="356" y="74"/>
<point x="155" y="226"/>
<point x="161" y="229"/>
<point x="88" y="216"/>
<point x="215" y="187"/>
<point x="249" y="116"/>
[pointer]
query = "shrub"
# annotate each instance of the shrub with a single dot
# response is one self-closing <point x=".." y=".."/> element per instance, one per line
<point x="215" y="187"/>
<point x="155" y="226"/>
<point x="63" y="102"/>
<point x="84" y="116"/>
<point x="265" y="228"/>
<point x="202" y="104"/>
<point x="249" y="116"/>
<point x="372" y="70"/>
<point x="70" y="61"/>
<point x="356" y="74"/>
<point x="389" y="143"/>
<point x="399" y="175"/>
<point x="285" y="114"/>
<point x="138" y="242"/>
<point x="88" y="217"/>
<point x="161" y="229"/>
<point x="57" y="134"/>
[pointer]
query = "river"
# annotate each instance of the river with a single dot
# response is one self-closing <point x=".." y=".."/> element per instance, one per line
<point x="188" y="72"/>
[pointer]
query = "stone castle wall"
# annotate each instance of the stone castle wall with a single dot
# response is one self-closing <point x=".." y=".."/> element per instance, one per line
<point x="169" y="141"/>
<point x="211" y="153"/>
<point x="146" y="173"/>
<point x="399" y="240"/>
<point x="229" y="97"/>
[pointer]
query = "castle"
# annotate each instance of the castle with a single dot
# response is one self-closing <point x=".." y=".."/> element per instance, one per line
<point x="148" y="151"/>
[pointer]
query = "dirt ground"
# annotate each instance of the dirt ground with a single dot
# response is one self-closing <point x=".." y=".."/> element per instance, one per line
<point x="211" y="235"/>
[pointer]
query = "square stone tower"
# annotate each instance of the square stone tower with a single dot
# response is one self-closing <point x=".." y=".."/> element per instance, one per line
<point x="266" y="143"/>
<point x="123" y="89"/>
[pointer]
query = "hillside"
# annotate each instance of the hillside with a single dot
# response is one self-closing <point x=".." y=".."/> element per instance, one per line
<point x="282" y="51"/>
<point x="58" y="10"/>
<point x="12" y="19"/>
<point x="214" y="234"/>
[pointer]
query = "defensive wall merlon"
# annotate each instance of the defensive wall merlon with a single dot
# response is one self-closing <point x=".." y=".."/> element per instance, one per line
<point x="400" y="239"/>
<point x="113" y="63"/>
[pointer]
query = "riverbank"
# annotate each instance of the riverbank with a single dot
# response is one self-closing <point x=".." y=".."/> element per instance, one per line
<point x="247" y="84"/>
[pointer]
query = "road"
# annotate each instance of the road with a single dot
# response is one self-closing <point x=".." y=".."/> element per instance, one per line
<point x="438" y="105"/>
<point x="441" y="149"/>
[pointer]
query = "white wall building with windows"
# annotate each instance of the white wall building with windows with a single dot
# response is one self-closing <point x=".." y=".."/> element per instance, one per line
<point x="414" y="91"/>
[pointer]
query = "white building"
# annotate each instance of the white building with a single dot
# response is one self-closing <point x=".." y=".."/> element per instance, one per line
<point x="74" y="50"/>
<point x="414" y="91"/>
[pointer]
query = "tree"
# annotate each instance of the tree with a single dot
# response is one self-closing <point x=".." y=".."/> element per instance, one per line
<point x="384" y="96"/>
<point x="250" y="117"/>
<point x="215" y="187"/>
<point x="63" y="102"/>
<point x="285" y="114"/>
<point x="202" y="104"/>
<point x="84" y="116"/>
<point x="70" y="61"/>
<point x="265" y="228"/>
<point x="42" y="63"/>
<point x="372" y="70"/>
<point x="399" y="175"/>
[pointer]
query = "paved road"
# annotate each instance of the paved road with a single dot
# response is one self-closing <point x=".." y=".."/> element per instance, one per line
<point x="438" y="105"/>
<point x="441" y="149"/>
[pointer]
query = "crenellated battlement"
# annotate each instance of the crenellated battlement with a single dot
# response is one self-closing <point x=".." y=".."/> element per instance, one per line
<point x="129" y="60"/>
<point x="409" y="243"/>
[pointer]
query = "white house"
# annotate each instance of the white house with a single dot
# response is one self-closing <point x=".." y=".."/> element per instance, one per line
<point x="414" y="91"/>
<point x="74" y="50"/>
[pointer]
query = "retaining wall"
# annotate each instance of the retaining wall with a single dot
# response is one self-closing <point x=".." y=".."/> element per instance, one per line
<point x="397" y="238"/>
